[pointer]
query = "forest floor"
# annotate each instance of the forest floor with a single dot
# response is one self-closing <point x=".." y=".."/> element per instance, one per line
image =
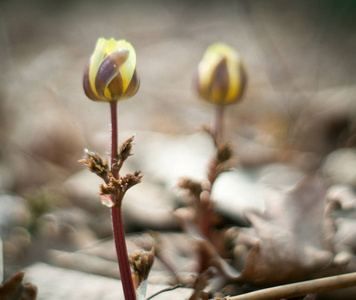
<point x="297" y="118"/>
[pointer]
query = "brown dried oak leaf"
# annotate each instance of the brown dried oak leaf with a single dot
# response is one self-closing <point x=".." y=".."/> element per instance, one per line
<point x="288" y="242"/>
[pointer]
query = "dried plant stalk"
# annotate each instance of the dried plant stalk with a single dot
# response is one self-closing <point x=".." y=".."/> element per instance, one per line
<point x="300" y="288"/>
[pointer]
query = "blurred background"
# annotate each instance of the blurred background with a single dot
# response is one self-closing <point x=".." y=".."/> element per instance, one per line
<point x="298" y="114"/>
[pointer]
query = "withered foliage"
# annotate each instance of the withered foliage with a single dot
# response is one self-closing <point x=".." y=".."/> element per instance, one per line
<point x="293" y="240"/>
<point x="289" y="242"/>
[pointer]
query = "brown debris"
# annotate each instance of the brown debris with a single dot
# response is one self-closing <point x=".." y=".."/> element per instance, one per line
<point x="14" y="289"/>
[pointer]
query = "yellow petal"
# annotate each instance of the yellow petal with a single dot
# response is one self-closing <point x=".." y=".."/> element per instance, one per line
<point x="128" y="68"/>
<point x="233" y="66"/>
<point x="96" y="59"/>
<point x="111" y="46"/>
<point x="207" y="66"/>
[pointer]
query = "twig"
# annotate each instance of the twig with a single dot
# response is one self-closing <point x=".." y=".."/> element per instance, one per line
<point x="300" y="288"/>
<point x="164" y="290"/>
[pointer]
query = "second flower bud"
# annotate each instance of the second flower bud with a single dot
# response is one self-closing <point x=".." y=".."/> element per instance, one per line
<point x="220" y="77"/>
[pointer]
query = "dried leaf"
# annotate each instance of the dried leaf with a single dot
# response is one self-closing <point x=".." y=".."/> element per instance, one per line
<point x="288" y="240"/>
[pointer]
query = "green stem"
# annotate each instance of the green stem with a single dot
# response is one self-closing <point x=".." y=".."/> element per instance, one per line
<point x="117" y="220"/>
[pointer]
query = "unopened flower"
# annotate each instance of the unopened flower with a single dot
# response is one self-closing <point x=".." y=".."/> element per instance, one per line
<point x="221" y="76"/>
<point x="111" y="73"/>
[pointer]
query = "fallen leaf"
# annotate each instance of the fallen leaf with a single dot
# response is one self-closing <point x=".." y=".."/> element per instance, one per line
<point x="288" y="242"/>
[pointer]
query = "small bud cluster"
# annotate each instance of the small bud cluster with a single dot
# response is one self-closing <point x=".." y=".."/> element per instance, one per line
<point x="125" y="152"/>
<point x="224" y="160"/>
<point x="141" y="263"/>
<point x="193" y="187"/>
<point x="116" y="188"/>
<point x="96" y="164"/>
<point x="113" y="191"/>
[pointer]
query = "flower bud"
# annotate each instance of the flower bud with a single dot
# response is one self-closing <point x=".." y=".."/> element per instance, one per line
<point x="220" y="77"/>
<point x="111" y="73"/>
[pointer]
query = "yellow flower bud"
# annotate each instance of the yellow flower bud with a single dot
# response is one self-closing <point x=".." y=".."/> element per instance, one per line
<point x="111" y="73"/>
<point x="220" y="77"/>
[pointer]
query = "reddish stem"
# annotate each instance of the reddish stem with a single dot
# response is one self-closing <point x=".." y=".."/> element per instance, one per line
<point x="121" y="252"/>
<point x="204" y="224"/>
<point x="117" y="220"/>
<point x="205" y="212"/>
<point x="114" y="139"/>
<point x="219" y="120"/>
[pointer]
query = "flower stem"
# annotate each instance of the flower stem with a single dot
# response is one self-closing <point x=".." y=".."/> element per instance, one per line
<point x="114" y="139"/>
<point x="219" y="120"/>
<point x="205" y="211"/>
<point x="121" y="252"/>
<point x="117" y="220"/>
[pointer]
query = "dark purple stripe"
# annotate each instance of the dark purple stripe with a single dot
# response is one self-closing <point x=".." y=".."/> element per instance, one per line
<point x="86" y="85"/>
